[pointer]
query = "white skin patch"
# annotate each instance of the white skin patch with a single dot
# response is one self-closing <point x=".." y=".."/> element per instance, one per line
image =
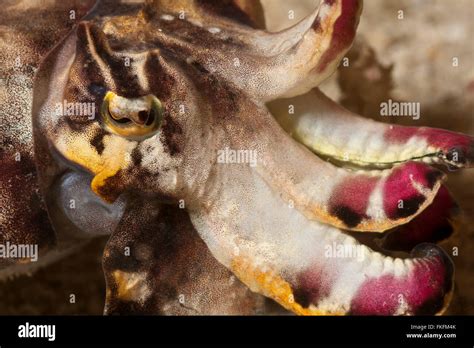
<point x="167" y="17"/>
<point x="214" y="30"/>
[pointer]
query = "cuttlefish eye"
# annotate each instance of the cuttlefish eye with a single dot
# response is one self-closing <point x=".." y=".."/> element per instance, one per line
<point x="132" y="117"/>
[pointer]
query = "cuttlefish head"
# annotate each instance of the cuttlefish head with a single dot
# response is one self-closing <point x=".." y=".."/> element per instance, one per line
<point x="129" y="117"/>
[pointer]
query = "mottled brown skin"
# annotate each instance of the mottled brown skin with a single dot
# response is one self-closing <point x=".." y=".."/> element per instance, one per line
<point x="24" y="217"/>
<point x="184" y="277"/>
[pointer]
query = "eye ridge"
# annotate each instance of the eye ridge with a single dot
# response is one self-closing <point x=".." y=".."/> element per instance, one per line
<point x="120" y="120"/>
<point x="135" y="124"/>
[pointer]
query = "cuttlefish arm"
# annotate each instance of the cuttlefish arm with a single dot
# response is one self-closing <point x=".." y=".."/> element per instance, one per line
<point x="266" y="65"/>
<point x="361" y="200"/>
<point x="156" y="263"/>
<point x="309" y="267"/>
<point x="330" y="130"/>
<point x="262" y="221"/>
<point x="279" y="250"/>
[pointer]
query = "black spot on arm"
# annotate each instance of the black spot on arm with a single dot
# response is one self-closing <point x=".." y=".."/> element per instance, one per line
<point x="410" y="207"/>
<point x="432" y="177"/>
<point x="302" y="296"/>
<point x="347" y="215"/>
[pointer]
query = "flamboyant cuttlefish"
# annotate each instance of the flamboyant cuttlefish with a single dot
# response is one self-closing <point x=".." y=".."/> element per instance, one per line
<point x="150" y="123"/>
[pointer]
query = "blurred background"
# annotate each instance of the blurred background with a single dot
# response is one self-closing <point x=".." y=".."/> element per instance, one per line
<point x="405" y="50"/>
